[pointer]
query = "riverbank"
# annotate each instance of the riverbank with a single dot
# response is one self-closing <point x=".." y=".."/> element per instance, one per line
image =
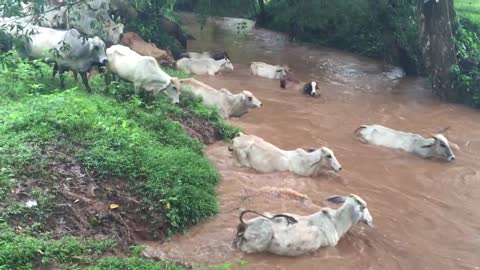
<point x="84" y="176"/>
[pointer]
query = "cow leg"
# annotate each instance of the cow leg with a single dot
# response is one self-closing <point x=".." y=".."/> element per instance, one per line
<point x="61" y="72"/>
<point x="75" y="75"/>
<point x="55" y="70"/>
<point x="148" y="97"/>
<point x="136" y="89"/>
<point x="85" y="81"/>
<point x="106" y="77"/>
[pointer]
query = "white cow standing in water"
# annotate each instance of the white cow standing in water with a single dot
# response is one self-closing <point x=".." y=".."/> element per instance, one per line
<point x="268" y="71"/>
<point x="435" y="147"/>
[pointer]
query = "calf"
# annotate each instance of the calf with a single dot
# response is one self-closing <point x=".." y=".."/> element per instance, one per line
<point x="307" y="88"/>
<point x="142" y="71"/>
<point x="253" y="152"/>
<point x="435" y="147"/>
<point x="311" y="89"/>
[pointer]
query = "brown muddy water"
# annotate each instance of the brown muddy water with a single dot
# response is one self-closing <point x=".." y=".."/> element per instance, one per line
<point x="426" y="213"/>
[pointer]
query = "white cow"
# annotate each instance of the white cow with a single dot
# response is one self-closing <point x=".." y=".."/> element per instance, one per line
<point x="254" y="152"/>
<point x="435" y="147"/>
<point x="204" y="66"/>
<point x="227" y="104"/>
<point x="80" y="54"/>
<point x="294" y="235"/>
<point x="218" y="55"/>
<point x="265" y="70"/>
<point x="142" y="71"/>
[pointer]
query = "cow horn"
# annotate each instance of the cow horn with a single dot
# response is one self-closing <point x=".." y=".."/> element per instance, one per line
<point x="443" y="130"/>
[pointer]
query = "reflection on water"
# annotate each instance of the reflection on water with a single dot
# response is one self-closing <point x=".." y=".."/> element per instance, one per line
<point x="425" y="212"/>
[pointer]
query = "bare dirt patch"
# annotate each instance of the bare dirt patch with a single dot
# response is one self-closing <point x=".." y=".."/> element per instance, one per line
<point x="88" y="205"/>
<point x="200" y="129"/>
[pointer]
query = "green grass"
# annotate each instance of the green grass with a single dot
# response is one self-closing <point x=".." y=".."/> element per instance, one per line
<point x="24" y="250"/>
<point x="469" y="10"/>
<point x="114" y="135"/>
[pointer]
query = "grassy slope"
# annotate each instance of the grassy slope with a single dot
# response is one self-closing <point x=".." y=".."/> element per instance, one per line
<point x="115" y="138"/>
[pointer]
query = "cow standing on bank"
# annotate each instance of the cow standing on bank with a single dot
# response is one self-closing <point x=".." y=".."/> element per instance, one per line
<point x="67" y="49"/>
<point x="143" y="72"/>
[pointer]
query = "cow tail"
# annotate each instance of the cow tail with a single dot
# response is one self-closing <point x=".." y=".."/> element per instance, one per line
<point x="290" y="219"/>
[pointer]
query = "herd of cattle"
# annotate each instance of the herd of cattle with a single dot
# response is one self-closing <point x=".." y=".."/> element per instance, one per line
<point x="282" y="234"/>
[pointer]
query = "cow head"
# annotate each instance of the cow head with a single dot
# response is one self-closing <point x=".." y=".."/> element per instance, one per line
<point x="360" y="213"/>
<point x="227" y="65"/>
<point x="283" y="70"/>
<point x="250" y="100"/>
<point x="328" y="160"/>
<point x="97" y="49"/>
<point x="173" y="90"/>
<point x="440" y="148"/>
<point x="311" y="89"/>
<point x="115" y="33"/>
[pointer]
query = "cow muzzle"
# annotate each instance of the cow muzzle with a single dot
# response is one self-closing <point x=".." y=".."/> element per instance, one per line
<point x="450" y="158"/>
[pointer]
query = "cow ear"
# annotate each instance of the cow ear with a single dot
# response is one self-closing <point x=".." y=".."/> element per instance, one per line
<point x="336" y="199"/>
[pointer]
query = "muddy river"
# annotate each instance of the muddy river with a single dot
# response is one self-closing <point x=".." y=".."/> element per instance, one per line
<point x="426" y="213"/>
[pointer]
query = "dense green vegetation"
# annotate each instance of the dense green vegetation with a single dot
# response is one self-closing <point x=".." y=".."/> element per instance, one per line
<point x="469" y="12"/>
<point x="149" y="19"/>
<point x="467" y="40"/>
<point x="114" y="136"/>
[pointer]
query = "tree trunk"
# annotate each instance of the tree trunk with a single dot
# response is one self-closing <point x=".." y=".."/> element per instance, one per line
<point x="262" y="15"/>
<point x="295" y="29"/>
<point x="380" y="13"/>
<point x="435" y="21"/>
